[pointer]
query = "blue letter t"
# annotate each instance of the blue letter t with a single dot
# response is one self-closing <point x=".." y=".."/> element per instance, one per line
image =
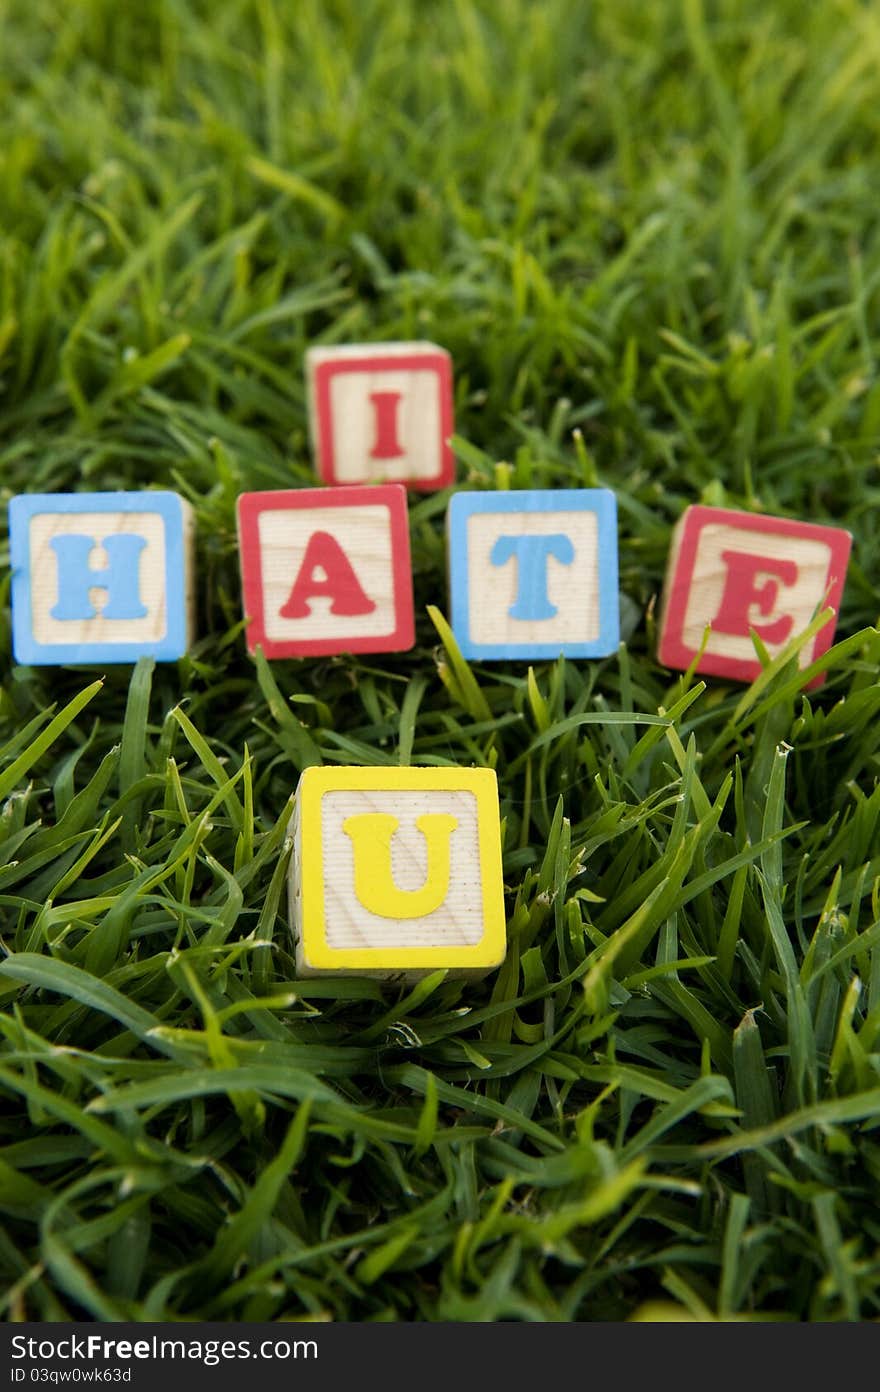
<point x="532" y="554"/>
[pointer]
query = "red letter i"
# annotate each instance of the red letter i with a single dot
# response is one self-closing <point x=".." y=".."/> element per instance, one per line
<point x="387" y="445"/>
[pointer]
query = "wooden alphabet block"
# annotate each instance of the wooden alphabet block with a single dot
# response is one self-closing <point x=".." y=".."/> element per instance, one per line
<point x="381" y="412"/>
<point x="738" y="572"/>
<point x="397" y="872"/>
<point x="533" y="573"/>
<point x="326" y="570"/>
<point x="101" y="577"/>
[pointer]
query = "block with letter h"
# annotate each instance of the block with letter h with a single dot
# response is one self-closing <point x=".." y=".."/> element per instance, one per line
<point x="101" y="577"/>
<point x="739" y="573"/>
<point x="533" y="573"/>
<point x="396" y="872"/>
<point x="381" y="412"/>
<point x="326" y="570"/>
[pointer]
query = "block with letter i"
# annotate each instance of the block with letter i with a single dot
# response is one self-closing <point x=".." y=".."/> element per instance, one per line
<point x="326" y="570"/>
<point x="101" y="577"/>
<point x="396" y="872"/>
<point x="533" y="573"/>
<point x="381" y="412"/>
<point x="739" y="573"/>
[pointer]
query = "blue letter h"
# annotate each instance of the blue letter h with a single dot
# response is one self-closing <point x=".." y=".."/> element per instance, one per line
<point x="119" y="578"/>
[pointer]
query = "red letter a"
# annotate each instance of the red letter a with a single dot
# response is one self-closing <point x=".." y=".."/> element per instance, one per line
<point x="338" y="580"/>
<point x="742" y="592"/>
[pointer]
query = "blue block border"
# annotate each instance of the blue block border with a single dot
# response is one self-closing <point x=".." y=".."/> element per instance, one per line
<point x="168" y="505"/>
<point x="601" y="501"/>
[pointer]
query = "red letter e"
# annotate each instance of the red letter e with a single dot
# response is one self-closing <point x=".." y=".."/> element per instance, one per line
<point x="742" y="593"/>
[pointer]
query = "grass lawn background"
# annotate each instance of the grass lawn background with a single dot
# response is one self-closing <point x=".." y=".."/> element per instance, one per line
<point x="648" y="234"/>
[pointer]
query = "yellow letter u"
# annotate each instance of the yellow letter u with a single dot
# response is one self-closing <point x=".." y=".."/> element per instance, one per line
<point x="371" y="834"/>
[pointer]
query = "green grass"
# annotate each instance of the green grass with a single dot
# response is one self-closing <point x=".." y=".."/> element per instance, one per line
<point x="649" y="235"/>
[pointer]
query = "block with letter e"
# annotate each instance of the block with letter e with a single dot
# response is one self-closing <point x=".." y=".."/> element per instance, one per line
<point x="533" y="573"/>
<point x="738" y="573"/>
<point x="326" y="570"/>
<point x="101" y="577"/>
<point x="381" y="413"/>
<point x="396" y="872"/>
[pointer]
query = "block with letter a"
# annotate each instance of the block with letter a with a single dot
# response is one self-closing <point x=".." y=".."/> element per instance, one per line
<point x="533" y="573"/>
<point x="396" y="872"/>
<point x="381" y="412"/>
<point x="738" y="573"/>
<point x="101" y="577"/>
<point x="326" y="570"/>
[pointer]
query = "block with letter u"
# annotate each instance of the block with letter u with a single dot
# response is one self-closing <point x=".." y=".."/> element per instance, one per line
<point x="397" y="872"/>
<point x="326" y="570"/>
<point x="101" y="577"/>
<point x="739" y="573"/>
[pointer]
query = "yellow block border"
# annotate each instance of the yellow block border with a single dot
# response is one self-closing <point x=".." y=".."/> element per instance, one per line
<point x="317" y="954"/>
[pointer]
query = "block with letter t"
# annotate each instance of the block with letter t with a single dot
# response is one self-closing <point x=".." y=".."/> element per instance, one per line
<point x="381" y="413"/>
<point x="326" y="570"/>
<point x="738" y="573"/>
<point x="533" y="573"/>
<point x="101" y="577"/>
<point x="396" y="872"/>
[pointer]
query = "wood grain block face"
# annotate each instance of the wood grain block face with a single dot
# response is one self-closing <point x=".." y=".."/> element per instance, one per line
<point x="737" y="572"/>
<point x="397" y="872"/>
<point x="381" y="412"/>
<point x="101" y="577"/>
<point x="326" y="570"/>
<point x="533" y="573"/>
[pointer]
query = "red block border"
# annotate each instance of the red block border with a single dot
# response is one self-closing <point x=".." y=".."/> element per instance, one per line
<point x="250" y="505"/>
<point x="673" y="652"/>
<point x="410" y="362"/>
